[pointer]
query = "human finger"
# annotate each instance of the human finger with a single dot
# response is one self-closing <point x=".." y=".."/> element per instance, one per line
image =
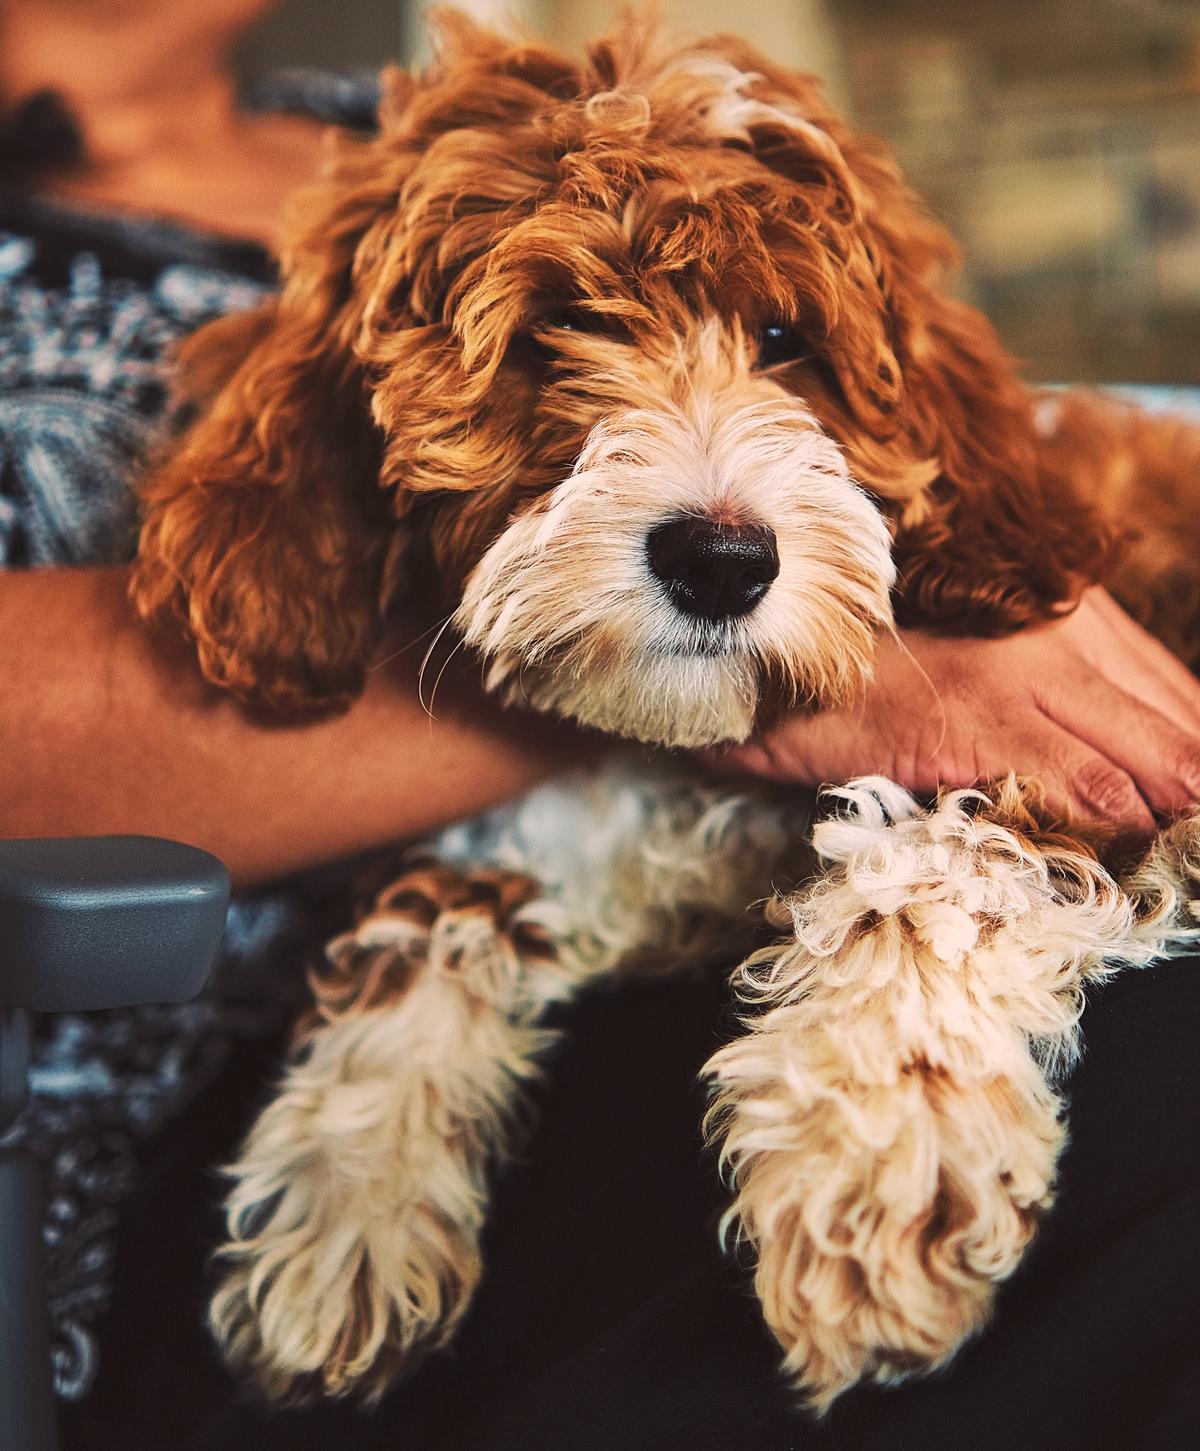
<point x="1161" y="758"/>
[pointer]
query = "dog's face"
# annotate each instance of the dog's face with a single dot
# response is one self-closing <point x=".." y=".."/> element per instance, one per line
<point x="620" y="329"/>
<point x="700" y="554"/>
<point x="648" y="356"/>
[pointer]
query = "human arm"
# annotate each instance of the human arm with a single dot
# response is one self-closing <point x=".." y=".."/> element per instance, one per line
<point x="107" y="730"/>
<point x="1089" y="704"/>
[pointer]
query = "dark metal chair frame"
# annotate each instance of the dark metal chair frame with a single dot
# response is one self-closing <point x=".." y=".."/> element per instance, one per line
<point x="85" y="924"/>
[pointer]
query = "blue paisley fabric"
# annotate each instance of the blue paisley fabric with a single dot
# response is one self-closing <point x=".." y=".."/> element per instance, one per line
<point x="83" y="396"/>
<point x="91" y="308"/>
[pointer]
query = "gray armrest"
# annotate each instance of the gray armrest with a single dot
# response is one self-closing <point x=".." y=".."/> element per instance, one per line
<point x="95" y="922"/>
<point x="107" y="921"/>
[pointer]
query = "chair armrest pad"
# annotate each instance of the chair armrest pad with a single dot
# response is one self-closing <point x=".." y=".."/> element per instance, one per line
<point x="107" y="921"/>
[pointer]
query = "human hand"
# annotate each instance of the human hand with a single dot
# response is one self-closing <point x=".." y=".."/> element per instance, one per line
<point x="1091" y="705"/>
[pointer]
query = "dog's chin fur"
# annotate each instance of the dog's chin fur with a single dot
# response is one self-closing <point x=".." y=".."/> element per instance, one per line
<point x="568" y="613"/>
<point x="669" y="701"/>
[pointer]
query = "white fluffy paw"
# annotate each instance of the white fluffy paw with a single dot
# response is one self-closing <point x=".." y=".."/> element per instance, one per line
<point x="338" y="1269"/>
<point x="889" y="1121"/>
<point x="881" y="1215"/>
<point x="361" y="1192"/>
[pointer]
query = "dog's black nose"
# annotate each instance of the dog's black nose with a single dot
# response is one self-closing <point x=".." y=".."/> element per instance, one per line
<point x="716" y="571"/>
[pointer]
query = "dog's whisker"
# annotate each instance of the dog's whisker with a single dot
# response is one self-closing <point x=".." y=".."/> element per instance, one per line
<point x="416" y="640"/>
<point x="458" y="645"/>
<point x="521" y="681"/>
<point x="433" y="644"/>
<point x="933" y="690"/>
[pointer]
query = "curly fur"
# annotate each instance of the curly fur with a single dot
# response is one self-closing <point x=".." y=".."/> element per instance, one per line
<point x="355" y="1219"/>
<point x="890" y="1120"/>
<point x="359" y="1196"/>
<point x="517" y="331"/>
<point x="672" y="200"/>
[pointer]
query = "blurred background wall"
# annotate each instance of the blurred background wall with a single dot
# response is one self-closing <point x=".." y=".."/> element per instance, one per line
<point x="1058" y="139"/>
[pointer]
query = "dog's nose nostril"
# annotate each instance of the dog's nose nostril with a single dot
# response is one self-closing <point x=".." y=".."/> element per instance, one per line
<point x="716" y="571"/>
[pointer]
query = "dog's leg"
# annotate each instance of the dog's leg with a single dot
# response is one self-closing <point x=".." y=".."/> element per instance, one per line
<point x="890" y="1120"/>
<point x="1164" y="890"/>
<point x="360" y="1192"/>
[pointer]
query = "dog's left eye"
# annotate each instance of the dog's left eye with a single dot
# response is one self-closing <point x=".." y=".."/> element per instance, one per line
<point x="540" y="339"/>
<point x="780" y="342"/>
<point x="574" y="321"/>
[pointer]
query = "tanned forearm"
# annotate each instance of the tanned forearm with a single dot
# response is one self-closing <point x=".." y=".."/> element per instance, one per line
<point x="105" y="730"/>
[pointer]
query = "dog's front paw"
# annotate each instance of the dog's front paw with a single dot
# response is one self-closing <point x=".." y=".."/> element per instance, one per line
<point x="360" y="1194"/>
<point x="335" y="1280"/>
<point x="890" y="1122"/>
<point x="881" y="1215"/>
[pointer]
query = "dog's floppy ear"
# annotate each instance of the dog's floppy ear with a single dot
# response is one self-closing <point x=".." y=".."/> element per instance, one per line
<point x="265" y="531"/>
<point x="270" y="532"/>
<point x="924" y="399"/>
<point x="995" y="541"/>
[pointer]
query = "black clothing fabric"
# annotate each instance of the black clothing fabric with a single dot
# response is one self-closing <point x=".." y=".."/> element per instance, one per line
<point x="609" y="1321"/>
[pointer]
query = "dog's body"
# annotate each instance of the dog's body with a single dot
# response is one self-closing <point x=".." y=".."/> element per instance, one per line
<point x="651" y="361"/>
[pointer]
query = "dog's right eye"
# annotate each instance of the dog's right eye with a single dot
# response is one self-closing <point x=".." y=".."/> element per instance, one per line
<point x="780" y="342"/>
<point x="571" y="321"/>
